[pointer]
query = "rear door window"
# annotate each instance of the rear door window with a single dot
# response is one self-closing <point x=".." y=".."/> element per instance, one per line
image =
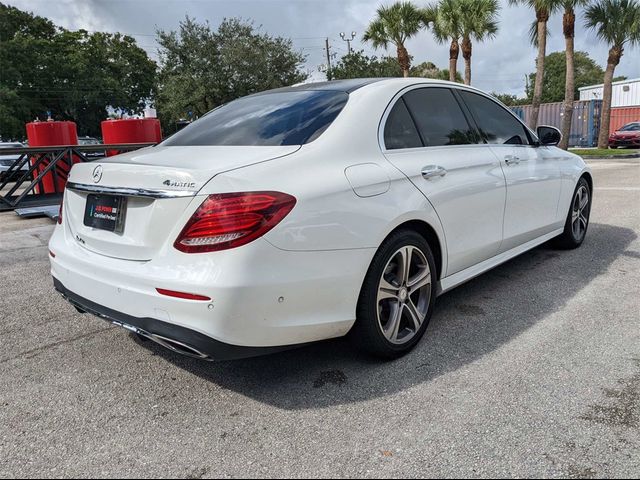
<point x="400" y="131"/>
<point x="496" y="124"/>
<point x="439" y="118"/>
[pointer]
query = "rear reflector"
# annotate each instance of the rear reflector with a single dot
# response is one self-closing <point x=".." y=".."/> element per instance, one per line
<point x="230" y="220"/>
<point x="186" y="296"/>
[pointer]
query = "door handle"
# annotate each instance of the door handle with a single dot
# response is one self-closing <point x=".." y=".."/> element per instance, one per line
<point x="511" y="159"/>
<point x="431" y="171"/>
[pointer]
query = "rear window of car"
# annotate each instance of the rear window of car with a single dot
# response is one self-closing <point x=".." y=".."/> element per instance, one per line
<point x="632" y="127"/>
<point x="270" y="119"/>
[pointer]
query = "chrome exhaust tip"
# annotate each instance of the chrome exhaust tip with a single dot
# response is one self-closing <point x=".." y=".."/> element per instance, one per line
<point x="168" y="343"/>
<point x="176" y="346"/>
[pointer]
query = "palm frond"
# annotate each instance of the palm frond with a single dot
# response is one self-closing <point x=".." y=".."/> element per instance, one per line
<point x="394" y="24"/>
<point x="615" y="22"/>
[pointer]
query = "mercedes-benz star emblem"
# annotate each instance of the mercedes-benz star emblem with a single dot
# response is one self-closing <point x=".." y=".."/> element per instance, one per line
<point x="97" y="174"/>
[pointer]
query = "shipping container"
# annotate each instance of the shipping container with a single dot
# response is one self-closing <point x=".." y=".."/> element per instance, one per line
<point x="585" y="123"/>
<point x="625" y="93"/>
<point x="622" y="116"/>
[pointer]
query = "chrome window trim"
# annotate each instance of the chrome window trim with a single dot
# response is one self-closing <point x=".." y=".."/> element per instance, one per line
<point x="130" y="192"/>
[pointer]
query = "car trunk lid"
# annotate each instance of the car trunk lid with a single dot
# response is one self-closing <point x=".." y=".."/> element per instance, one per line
<point x="158" y="184"/>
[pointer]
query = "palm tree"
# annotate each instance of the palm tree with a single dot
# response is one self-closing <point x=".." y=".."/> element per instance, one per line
<point x="568" y="28"/>
<point x="395" y="25"/>
<point x="616" y="22"/>
<point x="543" y="10"/>
<point x="478" y="20"/>
<point x="446" y="16"/>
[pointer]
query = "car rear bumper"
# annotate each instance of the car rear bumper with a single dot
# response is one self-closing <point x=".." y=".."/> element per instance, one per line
<point x="173" y="337"/>
<point x="260" y="296"/>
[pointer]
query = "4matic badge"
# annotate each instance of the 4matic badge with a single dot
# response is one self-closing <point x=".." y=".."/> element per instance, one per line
<point x="174" y="183"/>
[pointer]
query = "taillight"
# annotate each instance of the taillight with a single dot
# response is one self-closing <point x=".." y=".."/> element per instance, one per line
<point x="229" y="220"/>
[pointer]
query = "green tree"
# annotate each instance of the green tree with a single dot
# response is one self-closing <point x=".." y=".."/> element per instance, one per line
<point x="616" y="22"/>
<point x="446" y="20"/>
<point x="479" y="21"/>
<point x="510" y="100"/>
<point x="430" y="70"/>
<point x="568" y="30"/>
<point x="586" y="72"/>
<point x="395" y="25"/>
<point x="359" y="65"/>
<point x="543" y="10"/>
<point x="202" y="68"/>
<point x="73" y="75"/>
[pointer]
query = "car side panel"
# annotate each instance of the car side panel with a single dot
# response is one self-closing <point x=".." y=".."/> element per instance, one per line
<point x="329" y="213"/>
<point x="469" y="198"/>
<point x="533" y="191"/>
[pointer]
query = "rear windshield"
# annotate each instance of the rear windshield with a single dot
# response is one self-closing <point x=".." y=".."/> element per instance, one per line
<point x="631" y="127"/>
<point x="284" y="118"/>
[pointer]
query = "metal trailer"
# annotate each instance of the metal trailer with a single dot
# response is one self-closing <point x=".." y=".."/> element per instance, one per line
<point x="24" y="188"/>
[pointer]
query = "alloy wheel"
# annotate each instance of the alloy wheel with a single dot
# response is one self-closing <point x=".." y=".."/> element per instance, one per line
<point x="580" y="212"/>
<point x="404" y="293"/>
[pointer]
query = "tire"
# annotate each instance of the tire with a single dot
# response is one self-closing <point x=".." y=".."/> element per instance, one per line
<point x="394" y="309"/>
<point x="577" y="223"/>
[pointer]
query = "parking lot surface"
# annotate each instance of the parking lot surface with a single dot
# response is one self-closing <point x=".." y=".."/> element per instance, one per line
<point x="532" y="369"/>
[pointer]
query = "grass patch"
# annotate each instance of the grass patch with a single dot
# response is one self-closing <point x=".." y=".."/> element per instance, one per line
<point x="601" y="152"/>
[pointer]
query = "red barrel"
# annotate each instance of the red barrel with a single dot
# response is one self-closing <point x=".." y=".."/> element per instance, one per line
<point x="52" y="134"/>
<point x="131" y="130"/>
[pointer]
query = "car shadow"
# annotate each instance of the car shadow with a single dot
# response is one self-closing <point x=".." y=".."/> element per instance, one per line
<point x="469" y="322"/>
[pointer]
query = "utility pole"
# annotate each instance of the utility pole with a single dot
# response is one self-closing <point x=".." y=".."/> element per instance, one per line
<point x="348" y="40"/>
<point x="329" y="74"/>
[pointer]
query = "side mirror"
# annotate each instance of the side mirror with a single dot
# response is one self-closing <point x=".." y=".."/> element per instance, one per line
<point x="548" y="136"/>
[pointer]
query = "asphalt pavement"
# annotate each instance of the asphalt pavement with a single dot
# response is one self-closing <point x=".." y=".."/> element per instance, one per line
<point x="532" y="369"/>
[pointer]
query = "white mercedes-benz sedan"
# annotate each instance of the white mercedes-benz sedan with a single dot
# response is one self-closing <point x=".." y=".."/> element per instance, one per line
<point x="313" y="212"/>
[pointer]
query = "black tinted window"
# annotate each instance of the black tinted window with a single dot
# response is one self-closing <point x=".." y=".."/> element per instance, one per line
<point x="438" y="117"/>
<point x="495" y="123"/>
<point x="400" y="131"/>
<point x="632" y="127"/>
<point x="284" y="118"/>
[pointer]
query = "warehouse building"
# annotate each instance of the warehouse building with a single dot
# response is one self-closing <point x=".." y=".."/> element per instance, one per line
<point x="625" y="101"/>
<point x="626" y="93"/>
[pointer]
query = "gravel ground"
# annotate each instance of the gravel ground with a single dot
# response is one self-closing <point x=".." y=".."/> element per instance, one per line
<point x="532" y="369"/>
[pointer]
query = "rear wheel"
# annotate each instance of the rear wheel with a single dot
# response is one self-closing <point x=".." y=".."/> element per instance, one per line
<point x="397" y="296"/>
<point x="575" y="228"/>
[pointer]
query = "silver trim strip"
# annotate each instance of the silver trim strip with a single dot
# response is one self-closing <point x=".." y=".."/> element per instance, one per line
<point x="130" y="192"/>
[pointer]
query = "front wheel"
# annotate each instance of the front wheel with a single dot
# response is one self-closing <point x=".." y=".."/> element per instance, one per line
<point x="397" y="296"/>
<point x="575" y="228"/>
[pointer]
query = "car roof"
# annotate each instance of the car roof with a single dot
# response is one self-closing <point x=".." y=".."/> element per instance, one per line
<point x="346" y="86"/>
<point x="353" y="84"/>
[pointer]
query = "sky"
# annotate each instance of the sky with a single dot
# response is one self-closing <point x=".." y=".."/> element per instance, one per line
<point x="498" y="65"/>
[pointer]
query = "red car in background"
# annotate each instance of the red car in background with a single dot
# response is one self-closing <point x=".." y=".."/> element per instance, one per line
<point x="627" y="136"/>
